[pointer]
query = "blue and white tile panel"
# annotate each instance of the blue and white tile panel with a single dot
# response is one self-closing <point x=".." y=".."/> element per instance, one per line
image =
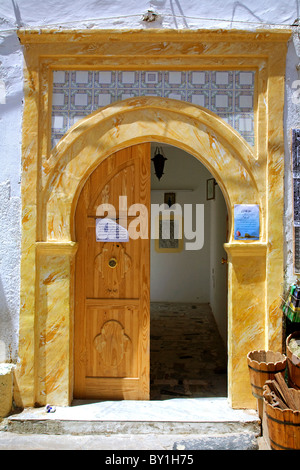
<point x="230" y="94"/>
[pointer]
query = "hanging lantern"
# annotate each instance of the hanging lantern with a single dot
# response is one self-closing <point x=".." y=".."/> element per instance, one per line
<point x="159" y="162"/>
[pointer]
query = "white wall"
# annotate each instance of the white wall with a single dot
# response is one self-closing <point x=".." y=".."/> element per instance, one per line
<point x="11" y="106"/>
<point x="184" y="14"/>
<point x="107" y="14"/>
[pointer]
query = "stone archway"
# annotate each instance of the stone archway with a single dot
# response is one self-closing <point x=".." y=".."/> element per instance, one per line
<point x="242" y="180"/>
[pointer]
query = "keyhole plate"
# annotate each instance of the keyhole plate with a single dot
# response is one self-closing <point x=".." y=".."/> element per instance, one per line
<point x="112" y="263"/>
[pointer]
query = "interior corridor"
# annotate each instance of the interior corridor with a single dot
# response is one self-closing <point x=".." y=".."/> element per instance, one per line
<point x="188" y="355"/>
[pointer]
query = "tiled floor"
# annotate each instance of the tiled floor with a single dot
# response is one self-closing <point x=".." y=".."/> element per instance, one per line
<point x="188" y="356"/>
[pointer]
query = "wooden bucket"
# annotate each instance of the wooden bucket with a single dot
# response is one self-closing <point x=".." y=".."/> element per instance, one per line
<point x="293" y="362"/>
<point x="283" y="426"/>
<point x="263" y="365"/>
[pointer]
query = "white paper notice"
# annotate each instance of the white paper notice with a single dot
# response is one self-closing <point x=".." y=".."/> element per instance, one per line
<point x="107" y="230"/>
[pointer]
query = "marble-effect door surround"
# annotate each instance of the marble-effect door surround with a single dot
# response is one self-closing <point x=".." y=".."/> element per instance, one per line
<point x="55" y="165"/>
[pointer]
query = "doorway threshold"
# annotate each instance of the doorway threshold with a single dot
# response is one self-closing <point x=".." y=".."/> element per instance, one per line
<point x="178" y="415"/>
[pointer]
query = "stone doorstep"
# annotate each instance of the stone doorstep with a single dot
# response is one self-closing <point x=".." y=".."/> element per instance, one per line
<point x="174" y="416"/>
<point x="232" y="441"/>
<point x="139" y="443"/>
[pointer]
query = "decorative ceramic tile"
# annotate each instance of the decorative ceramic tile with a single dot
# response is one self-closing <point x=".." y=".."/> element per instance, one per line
<point x="244" y="80"/>
<point x="200" y="97"/>
<point x="198" y="80"/>
<point x="243" y="101"/>
<point x="152" y="80"/>
<point x="61" y="79"/>
<point x="105" y="79"/>
<point x="104" y="97"/>
<point x="82" y="79"/>
<point x="221" y="101"/>
<point x="175" y="80"/>
<point x="60" y="99"/>
<point x="228" y="93"/>
<point x="222" y="80"/>
<point x="128" y="79"/>
<point x="81" y="99"/>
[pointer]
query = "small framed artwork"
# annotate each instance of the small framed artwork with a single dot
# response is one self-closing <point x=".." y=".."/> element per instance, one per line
<point x="210" y="189"/>
<point x="170" y="234"/>
<point x="170" y="199"/>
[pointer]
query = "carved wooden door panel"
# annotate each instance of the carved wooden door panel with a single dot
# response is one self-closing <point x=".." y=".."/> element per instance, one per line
<point x="112" y="301"/>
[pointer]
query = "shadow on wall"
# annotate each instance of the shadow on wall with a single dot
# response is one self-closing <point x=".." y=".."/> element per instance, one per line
<point x="6" y="326"/>
<point x="248" y="10"/>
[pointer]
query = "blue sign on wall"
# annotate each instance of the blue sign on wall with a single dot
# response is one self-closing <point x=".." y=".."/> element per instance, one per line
<point x="246" y="222"/>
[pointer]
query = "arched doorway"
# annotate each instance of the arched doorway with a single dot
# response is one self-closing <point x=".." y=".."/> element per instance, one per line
<point x="112" y="282"/>
<point x="229" y="159"/>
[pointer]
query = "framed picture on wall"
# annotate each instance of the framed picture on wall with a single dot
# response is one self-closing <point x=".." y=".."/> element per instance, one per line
<point x="169" y="231"/>
<point x="210" y="189"/>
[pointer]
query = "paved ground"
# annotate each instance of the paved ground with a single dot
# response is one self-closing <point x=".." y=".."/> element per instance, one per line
<point x="14" y="441"/>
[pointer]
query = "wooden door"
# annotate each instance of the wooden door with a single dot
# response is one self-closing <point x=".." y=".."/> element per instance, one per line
<point x="112" y="300"/>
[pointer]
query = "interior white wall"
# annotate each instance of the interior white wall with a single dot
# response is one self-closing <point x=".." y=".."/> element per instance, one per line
<point x="183" y="276"/>
<point x="218" y="271"/>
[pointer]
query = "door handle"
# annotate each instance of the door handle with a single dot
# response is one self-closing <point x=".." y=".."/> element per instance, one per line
<point x="224" y="261"/>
